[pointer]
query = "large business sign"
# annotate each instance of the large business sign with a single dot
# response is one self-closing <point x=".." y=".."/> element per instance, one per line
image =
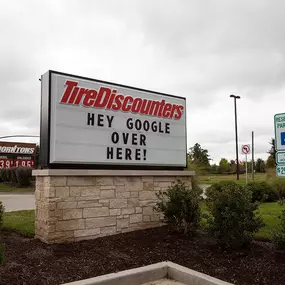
<point x="14" y="154"/>
<point x="90" y="122"/>
<point x="279" y="130"/>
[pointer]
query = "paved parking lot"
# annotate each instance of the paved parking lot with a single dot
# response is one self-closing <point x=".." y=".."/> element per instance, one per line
<point x="15" y="202"/>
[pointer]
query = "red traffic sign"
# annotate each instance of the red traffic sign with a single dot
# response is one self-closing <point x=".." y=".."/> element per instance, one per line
<point x="245" y="149"/>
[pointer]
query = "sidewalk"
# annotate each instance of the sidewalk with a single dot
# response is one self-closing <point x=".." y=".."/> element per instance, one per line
<point x="16" y="202"/>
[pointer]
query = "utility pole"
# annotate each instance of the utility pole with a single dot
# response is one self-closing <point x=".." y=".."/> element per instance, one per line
<point x="236" y="97"/>
<point x="252" y="151"/>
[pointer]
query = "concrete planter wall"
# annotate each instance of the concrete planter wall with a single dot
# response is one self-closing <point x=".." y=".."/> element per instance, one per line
<point x="162" y="273"/>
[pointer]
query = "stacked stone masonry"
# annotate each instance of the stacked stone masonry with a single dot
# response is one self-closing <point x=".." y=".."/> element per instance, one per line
<point x="86" y="207"/>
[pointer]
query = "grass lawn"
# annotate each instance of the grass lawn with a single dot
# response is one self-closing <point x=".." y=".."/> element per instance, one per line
<point x="20" y="221"/>
<point x="270" y="213"/>
<point x="211" y="179"/>
<point x="7" y="188"/>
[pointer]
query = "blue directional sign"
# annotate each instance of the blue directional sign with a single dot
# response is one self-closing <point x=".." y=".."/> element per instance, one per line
<point x="279" y="126"/>
<point x="282" y="134"/>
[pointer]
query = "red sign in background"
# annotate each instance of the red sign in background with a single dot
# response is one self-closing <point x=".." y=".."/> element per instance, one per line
<point x="10" y="158"/>
<point x="10" y="162"/>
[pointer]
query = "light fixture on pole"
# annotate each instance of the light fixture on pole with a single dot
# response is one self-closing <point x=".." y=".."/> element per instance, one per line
<point x="236" y="97"/>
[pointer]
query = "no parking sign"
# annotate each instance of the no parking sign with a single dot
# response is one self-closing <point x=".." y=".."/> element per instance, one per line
<point x="245" y="149"/>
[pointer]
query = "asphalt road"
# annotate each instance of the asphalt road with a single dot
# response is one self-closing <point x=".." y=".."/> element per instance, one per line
<point x="15" y="202"/>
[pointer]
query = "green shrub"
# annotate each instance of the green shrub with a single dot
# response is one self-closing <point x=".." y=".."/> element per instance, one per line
<point x="13" y="177"/>
<point x="279" y="187"/>
<point x="9" y="174"/>
<point x="3" y="174"/>
<point x="262" y="192"/>
<point x="278" y="235"/>
<point x="233" y="219"/>
<point x="180" y="206"/>
<point x="2" y="210"/>
<point x="272" y="196"/>
<point x="195" y="186"/>
<point x="24" y="176"/>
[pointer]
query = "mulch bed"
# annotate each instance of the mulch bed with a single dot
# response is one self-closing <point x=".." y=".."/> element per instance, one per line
<point x="31" y="262"/>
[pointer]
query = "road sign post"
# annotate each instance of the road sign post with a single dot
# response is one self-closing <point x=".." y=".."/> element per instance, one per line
<point x="252" y="152"/>
<point x="245" y="149"/>
<point x="246" y="168"/>
<point x="279" y="131"/>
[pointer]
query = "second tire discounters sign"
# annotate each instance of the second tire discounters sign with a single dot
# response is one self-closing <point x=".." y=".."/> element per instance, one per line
<point x="90" y="122"/>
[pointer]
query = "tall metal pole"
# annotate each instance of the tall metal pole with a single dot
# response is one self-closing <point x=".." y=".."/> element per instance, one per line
<point x="236" y="139"/>
<point x="236" y="97"/>
<point x="252" y="151"/>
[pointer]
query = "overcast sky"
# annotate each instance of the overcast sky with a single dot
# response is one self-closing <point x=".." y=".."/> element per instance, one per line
<point x="201" y="50"/>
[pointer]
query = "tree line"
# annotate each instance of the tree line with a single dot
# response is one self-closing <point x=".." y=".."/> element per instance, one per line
<point x="199" y="160"/>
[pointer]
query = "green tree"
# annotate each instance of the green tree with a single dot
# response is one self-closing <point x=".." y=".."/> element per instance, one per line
<point x="272" y="150"/>
<point x="214" y="168"/>
<point x="270" y="163"/>
<point x="233" y="166"/>
<point x="224" y="166"/>
<point x="260" y="165"/>
<point x="199" y="156"/>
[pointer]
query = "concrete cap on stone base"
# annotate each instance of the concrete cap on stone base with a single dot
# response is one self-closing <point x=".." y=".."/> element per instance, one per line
<point x="103" y="172"/>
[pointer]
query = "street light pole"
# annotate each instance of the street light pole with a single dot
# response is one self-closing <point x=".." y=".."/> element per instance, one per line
<point x="236" y="97"/>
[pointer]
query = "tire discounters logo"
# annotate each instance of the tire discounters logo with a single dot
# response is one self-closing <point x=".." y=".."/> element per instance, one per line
<point x="108" y="99"/>
<point x="100" y="123"/>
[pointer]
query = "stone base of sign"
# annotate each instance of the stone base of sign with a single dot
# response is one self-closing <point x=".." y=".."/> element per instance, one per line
<point x="74" y="205"/>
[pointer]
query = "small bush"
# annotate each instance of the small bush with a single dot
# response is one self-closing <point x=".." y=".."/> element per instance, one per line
<point x="13" y="178"/>
<point x="180" y="206"/>
<point x="272" y="196"/>
<point x="3" y="174"/>
<point x="233" y="219"/>
<point x="279" y="187"/>
<point x="278" y="236"/>
<point x="9" y="174"/>
<point x="195" y="186"/>
<point x="261" y="192"/>
<point x="24" y="176"/>
<point x="2" y="210"/>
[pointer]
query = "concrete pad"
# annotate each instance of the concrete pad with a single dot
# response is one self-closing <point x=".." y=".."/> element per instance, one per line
<point x="164" y="281"/>
<point x="163" y="273"/>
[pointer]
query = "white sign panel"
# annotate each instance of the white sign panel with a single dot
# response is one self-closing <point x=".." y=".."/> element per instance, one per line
<point x="279" y="125"/>
<point x="280" y="171"/>
<point x="280" y="157"/>
<point x="93" y="122"/>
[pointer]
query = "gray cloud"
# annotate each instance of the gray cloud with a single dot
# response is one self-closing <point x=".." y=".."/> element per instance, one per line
<point x="203" y="50"/>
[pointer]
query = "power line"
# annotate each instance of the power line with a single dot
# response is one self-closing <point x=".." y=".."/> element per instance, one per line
<point x="19" y="136"/>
